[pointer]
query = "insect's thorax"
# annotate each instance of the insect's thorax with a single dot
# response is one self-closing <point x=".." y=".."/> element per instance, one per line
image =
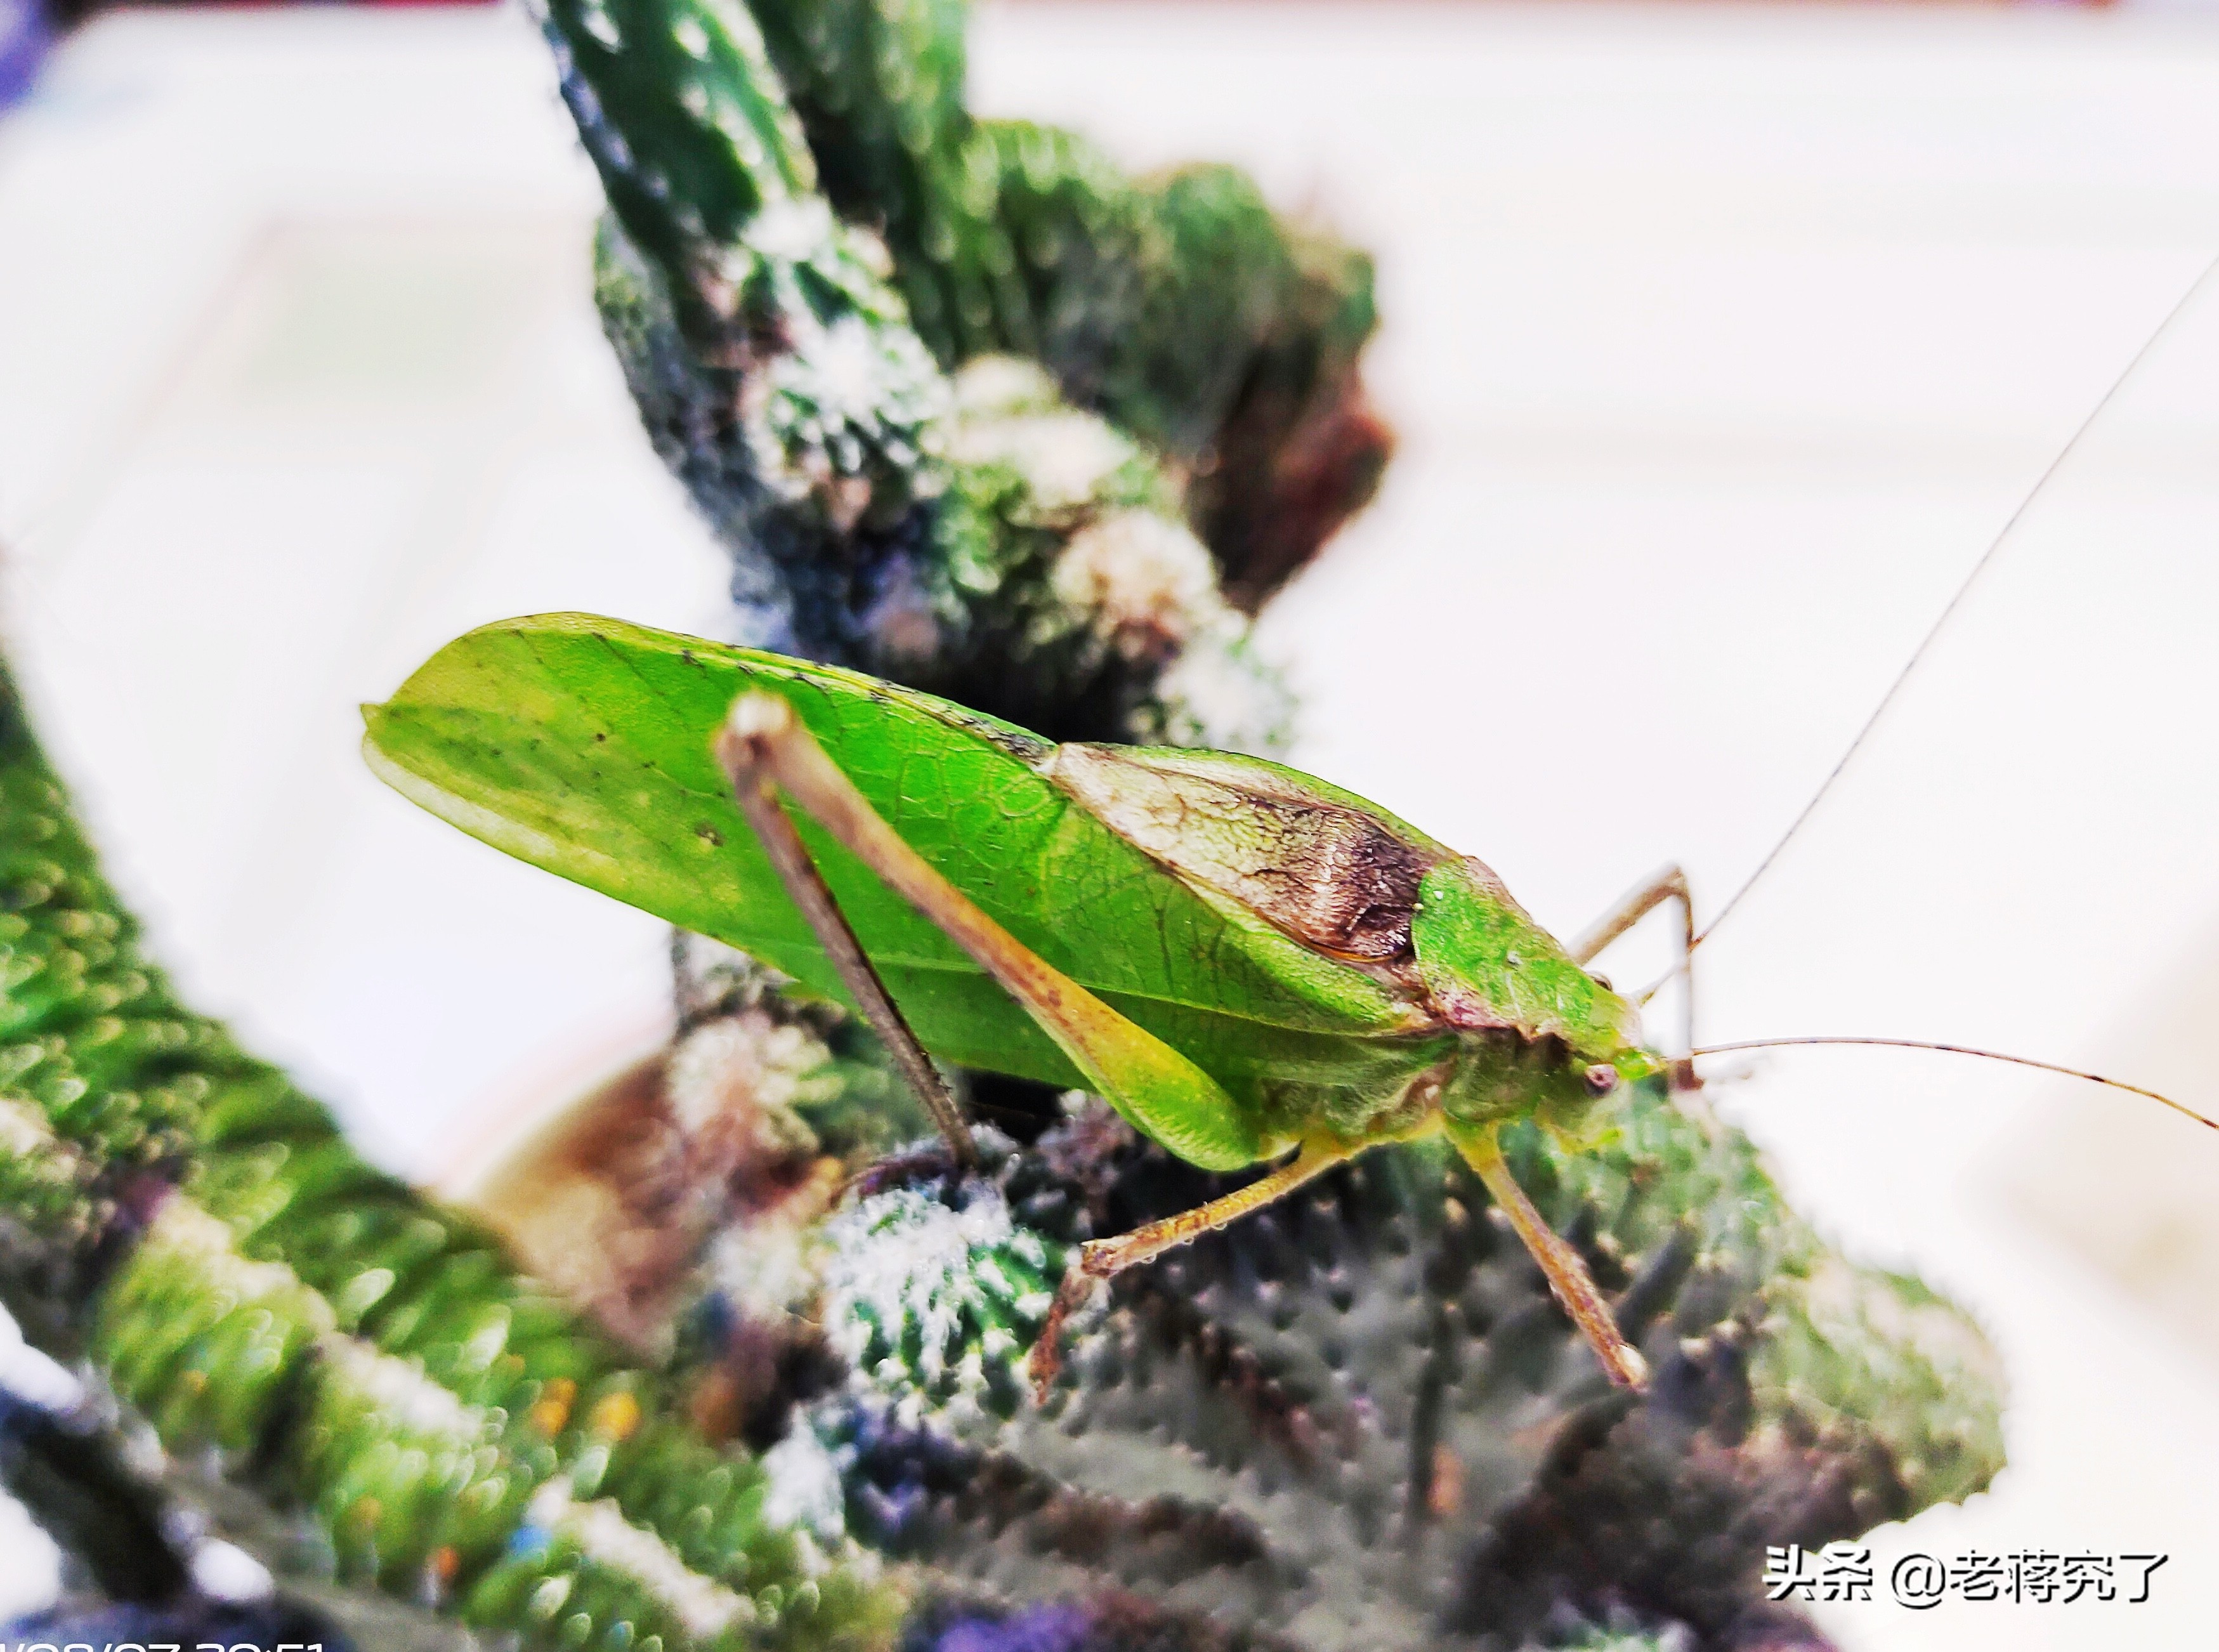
<point x="1474" y="1079"/>
<point x="1486" y="1016"/>
<point x="1487" y="968"/>
<point x="1499" y="1077"/>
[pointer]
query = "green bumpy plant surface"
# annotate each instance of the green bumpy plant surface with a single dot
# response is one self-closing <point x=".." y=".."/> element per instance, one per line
<point x="1179" y="307"/>
<point x="1358" y="1420"/>
<point x="196" y="1226"/>
<point x="1019" y="535"/>
<point x="1354" y="1419"/>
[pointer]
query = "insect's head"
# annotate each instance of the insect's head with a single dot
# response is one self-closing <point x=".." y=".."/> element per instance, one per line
<point x="1540" y="1037"/>
<point x="1607" y="1060"/>
<point x="1630" y="1065"/>
<point x="1501" y="1074"/>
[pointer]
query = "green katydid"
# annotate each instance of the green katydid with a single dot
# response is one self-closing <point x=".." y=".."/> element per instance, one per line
<point x="1251" y="964"/>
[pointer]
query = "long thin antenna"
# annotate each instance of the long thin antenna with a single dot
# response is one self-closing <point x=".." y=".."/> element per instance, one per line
<point x="1926" y="645"/>
<point x="1963" y="1049"/>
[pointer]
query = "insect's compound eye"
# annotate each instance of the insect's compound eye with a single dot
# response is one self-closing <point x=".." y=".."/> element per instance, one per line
<point x="1602" y="1078"/>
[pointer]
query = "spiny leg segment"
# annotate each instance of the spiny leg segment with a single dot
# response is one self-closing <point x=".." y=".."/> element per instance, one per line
<point x="764" y="749"/>
<point x="757" y="760"/>
<point x="1101" y="1259"/>
<point x="1567" y="1273"/>
<point x="1667" y="884"/>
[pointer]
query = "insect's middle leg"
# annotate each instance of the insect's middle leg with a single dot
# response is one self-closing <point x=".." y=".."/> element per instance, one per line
<point x="1667" y="884"/>
<point x="1100" y="1259"/>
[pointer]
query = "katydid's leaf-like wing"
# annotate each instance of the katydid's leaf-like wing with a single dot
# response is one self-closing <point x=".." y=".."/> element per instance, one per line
<point x="582" y="745"/>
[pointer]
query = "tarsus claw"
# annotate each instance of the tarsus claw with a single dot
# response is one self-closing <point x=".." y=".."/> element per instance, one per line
<point x="1046" y="1360"/>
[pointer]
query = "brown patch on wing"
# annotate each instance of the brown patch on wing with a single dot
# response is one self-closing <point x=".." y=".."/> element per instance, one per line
<point x="1330" y="875"/>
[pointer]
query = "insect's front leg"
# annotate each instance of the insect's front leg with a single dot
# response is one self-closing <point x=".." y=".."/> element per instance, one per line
<point x="1667" y="884"/>
<point x="1561" y="1265"/>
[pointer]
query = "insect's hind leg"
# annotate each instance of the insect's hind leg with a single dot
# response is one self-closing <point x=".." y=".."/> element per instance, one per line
<point x="764" y="745"/>
<point x="749" y="764"/>
<point x="1100" y="1259"/>
<point x="1667" y="884"/>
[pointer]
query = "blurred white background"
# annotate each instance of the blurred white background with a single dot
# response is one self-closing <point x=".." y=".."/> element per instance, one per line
<point x="1721" y="342"/>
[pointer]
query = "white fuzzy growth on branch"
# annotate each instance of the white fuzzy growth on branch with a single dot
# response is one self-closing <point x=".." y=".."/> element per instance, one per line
<point x="905" y="1260"/>
<point x="400" y="1389"/>
<point x="702" y="1607"/>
